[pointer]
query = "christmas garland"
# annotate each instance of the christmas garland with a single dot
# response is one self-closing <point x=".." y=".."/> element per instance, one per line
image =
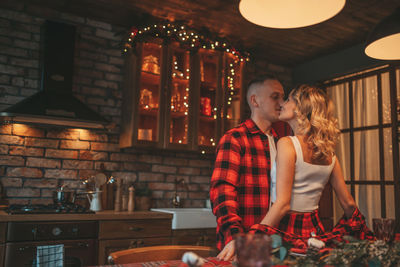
<point x="188" y="38"/>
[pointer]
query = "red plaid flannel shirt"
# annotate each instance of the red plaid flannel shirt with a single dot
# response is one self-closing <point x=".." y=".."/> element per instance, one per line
<point x="240" y="183"/>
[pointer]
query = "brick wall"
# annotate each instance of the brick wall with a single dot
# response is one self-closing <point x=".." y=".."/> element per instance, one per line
<point x="33" y="158"/>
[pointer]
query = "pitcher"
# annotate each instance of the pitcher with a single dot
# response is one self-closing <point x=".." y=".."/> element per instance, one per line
<point x="95" y="202"/>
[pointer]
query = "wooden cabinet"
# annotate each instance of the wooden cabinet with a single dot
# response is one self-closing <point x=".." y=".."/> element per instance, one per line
<point x="3" y="229"/>
<point x="179" y="99"/>
<point x="197" y="237"/>
<point x="124" y="234"/>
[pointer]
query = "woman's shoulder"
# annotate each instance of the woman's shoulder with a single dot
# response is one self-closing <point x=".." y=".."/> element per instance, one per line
<point x="285" y="143"/>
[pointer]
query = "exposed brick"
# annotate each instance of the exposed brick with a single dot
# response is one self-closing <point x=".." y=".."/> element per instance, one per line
<point x="23" y="192"/>
<point x="4" y="79"/>
<point x="11" y="99"/>
<point x="90" y="136"/>
<point x="11" y="182"/>
<point x="206" y="171"/>
<point x="123" y="157"/>
<point x="11" y="140"/>
<point x="107" y="67"/>
<point x="150" y="159"/>
<point x="104" y="147"/>
<point x="13" y="51"/>
<point x="27" y="92"/>
<point x="77" y="164"/>
<point x="200" y="179"/>
<point x="72" y="18"/>
<point x="198" y="195"/>
<point x="116" y="61"/>
<point x="24" y="172"/>
<point x="5" y="129"/>
<point x="161" y="186"/>
<point x="188" y="170"/>
<point x="151" y="177"/>
<point x="87" y="173"/>
<point x="98" y="24"/>
<point x="24" y="62"/>
<point x="110" y="111"/>
<point x="63" y="134"/>
<point x="60" y="174"/>
<point x="94" y="91"/>
<point x="26" y="151"/>
<point x="92" y="155"/>
<point x="24" y="130"/>
<point x="106" y="84"/>
<point x="163" y="168"/>
<point x="39" y="142"/>
<point x="171" y="178"/>
<point x="3" y="149"/>
<point x="128" y="177"/>
<point x="74" y="144"/>
<point x="41" y="162"/>
<point x="64" y="154"/>
<point x="41" y="183"/>
<point x="136" y="166"/>
<point x="113" y="77"/>
<point x="175" y="161"/>
<point x="109" y="166"/>
<point x="200" y="163"/>
<point x="11" y="160"/>
<point x="106" y="34"/>
<point x="100" y="101"/>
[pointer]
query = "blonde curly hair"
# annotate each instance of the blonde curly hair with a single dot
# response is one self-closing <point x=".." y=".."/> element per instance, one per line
<point x="315" y="118"/>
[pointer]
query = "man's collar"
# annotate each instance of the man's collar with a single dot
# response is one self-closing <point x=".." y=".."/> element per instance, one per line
<point x="253" y="128"/>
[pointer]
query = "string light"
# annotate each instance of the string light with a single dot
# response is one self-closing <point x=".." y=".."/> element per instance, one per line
<point x="187" y="37"/>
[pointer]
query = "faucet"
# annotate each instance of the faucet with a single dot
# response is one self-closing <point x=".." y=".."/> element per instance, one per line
<point x="176" y="200"/>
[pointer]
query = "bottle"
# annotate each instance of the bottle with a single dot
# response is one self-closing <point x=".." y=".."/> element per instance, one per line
<point x="131" y="200"/>
<point x="117" y="202"/>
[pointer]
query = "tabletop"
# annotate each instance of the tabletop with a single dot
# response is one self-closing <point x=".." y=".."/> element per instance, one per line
<point x="210" y="262"/>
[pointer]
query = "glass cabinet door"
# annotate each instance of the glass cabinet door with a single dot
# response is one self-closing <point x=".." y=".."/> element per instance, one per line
<point x="209" y="107"/>
<point x="150" y="92"/>
<point x="180" y="95"/>
<point x="232" y="92"/>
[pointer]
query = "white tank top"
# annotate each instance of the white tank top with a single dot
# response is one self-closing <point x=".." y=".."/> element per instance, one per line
<point x="308" y="183"/>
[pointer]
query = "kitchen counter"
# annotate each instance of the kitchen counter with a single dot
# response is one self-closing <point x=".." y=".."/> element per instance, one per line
<point x="98" y="216"/>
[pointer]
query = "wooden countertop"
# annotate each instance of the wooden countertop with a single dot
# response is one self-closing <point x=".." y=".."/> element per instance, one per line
<point x="98" y="216"/>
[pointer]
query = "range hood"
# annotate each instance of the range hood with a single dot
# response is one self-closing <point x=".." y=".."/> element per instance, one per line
<point x="55" y="104"/>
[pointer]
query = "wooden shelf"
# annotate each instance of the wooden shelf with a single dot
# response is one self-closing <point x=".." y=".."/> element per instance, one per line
<point x="149" y="112"/>
<point x="206" y="118"/>
<point x="150" y="78"/>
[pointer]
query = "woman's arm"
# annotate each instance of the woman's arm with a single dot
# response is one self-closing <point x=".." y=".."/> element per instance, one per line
<point x="343" y="195"/>
<point x="285" y="166"/>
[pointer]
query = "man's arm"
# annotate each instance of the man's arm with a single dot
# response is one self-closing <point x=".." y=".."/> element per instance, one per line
<point x="223" y="189"/>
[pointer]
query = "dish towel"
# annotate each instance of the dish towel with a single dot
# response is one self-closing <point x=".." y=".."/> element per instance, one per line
<point x="50" y="256"/>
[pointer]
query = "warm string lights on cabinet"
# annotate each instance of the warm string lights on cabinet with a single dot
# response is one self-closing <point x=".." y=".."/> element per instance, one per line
<point x="193" y="40"/>
<point x="186" y="36"/>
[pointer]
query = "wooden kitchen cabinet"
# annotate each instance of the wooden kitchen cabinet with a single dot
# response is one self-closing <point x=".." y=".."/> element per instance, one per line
<point x="180" y="99"/>
<point x="125" y="234"/>
<point x="196" y="237"/>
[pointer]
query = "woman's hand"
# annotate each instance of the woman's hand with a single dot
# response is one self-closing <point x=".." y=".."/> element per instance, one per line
<point x="228" y="252"/>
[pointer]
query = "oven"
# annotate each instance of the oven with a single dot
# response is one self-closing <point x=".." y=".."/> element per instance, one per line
<point x="77" y="237"/>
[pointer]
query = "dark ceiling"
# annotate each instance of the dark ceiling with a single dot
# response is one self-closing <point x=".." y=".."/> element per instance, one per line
<point x="284" y="47"/>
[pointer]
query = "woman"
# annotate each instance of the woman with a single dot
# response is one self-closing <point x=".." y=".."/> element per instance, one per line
<point x="304" y="164"/>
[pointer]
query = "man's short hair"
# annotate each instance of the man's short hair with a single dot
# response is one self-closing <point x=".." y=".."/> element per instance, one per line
<point x="253" y="84"/>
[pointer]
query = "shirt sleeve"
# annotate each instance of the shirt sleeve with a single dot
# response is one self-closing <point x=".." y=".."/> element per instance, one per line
<point x="224" y="189"/>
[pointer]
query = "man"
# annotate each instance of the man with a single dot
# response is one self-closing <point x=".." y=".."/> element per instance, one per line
<point x="240" y="183"/>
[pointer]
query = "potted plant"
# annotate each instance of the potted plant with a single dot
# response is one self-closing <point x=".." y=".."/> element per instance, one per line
<point x="143" y="197"/>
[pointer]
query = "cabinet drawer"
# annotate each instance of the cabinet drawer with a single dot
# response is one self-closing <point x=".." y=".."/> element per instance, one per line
<point x="3" y="229"/>
<point x="108" y="246"/>
<point x="134" y="229"/>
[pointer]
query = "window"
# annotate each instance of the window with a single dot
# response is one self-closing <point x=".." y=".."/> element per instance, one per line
<point x="367" y="106"/>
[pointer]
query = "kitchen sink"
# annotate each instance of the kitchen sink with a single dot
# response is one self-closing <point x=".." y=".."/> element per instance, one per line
<point x="190" y="218"/>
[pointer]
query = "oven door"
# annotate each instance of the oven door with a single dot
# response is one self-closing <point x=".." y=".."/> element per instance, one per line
<point x="77" y="253"/>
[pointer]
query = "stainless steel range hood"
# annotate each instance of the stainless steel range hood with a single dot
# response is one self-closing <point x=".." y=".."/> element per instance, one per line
<point x="55" y="103"/>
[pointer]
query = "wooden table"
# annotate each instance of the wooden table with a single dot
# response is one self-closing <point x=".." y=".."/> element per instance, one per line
<point x="210" y="262"/>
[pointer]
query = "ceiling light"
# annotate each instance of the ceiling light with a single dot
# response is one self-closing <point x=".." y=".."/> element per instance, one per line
<point x="384" y="40"/>
<point x="286" y="14"/>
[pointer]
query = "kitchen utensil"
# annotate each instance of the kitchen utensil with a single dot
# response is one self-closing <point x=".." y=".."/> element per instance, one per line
<point x="99" y="179"/>
<point x="95" y="203"/>
<point x="61" y="197"/>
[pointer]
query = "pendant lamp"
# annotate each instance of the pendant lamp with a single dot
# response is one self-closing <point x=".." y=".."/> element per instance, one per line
<point x="384" y="40"/>
<point x="286" y="14"/>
